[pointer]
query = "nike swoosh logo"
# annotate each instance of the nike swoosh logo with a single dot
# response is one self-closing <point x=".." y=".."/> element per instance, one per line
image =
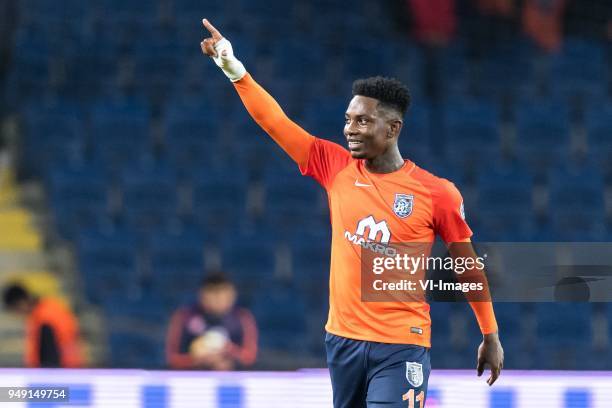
<point x="358" y="184"/>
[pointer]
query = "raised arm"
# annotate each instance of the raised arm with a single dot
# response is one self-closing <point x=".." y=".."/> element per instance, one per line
<point x="261" y="106"/>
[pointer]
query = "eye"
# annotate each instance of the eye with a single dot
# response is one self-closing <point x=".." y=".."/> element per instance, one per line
<point x="363" y="121"/>
<point x="347" y="121"/>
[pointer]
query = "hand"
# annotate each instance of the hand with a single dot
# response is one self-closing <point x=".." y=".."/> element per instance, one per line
<point x="490" y="352"/>
<point x="214" y="361"/>
<point x="220" y="50"/>
<point x="208" y="44"/>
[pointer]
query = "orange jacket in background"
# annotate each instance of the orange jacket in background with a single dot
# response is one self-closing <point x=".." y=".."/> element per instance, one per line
<point x="65" y="328"/>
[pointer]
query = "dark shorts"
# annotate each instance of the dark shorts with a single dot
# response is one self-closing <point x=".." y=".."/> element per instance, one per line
<point x="377" y="375"/>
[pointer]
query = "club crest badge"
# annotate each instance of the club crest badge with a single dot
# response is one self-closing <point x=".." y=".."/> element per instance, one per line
<point x="402" y="207"/>
<point x="414" y="374"/>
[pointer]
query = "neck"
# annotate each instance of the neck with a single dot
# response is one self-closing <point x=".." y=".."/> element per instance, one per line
<point x="388" y="162"/>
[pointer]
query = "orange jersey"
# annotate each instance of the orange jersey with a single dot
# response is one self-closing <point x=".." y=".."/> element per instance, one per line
<point x="65" y="327"/>
<point x="408" y="205"/>
<point x="365" y="205"/>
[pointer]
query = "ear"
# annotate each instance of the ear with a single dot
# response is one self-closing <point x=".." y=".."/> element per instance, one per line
<point x="395" y="126"/>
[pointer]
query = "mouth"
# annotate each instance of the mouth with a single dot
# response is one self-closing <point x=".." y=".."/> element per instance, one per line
<point x="355" y="144"/>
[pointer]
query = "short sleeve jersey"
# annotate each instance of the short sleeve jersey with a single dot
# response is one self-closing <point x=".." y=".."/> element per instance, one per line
<point x="407" y="205"/>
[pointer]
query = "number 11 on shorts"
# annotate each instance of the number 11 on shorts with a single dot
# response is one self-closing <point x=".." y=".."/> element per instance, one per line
<point x="411" y="400"/>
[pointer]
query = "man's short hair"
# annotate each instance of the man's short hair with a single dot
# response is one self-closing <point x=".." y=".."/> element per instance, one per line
<point x="390" y="92"/>
<point x="215" y="280"/>
<point x="13" y="294"/>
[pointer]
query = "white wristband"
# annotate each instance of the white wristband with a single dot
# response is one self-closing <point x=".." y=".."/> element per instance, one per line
<point x="225" y="59"/>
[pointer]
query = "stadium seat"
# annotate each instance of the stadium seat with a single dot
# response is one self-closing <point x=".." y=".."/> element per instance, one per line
<point x="257" y="248"/>
<point x="156" y="62"/>
<point x="291" y="57"/>
<point x="471" y="132"/>
<point x="54" y="135"/>
<point x="249" y="144"/>
<point x="598" y="122"/>
<point x="79" y="197"/>
<point x="576" y="203"/>
<point x="30" y="73"/>
<point x="108" y="263"/>
<point x="149" y="196"/>
<point x="310" y="264"/>
<point x="120" y="131"/>
<point x="415" y="141"/>
<point x="281" y="316"/>
<point x="137" y="309"/>
<point x="454" y="329"/>
<point x="190" y="135"/>
<point x="542" y="130"/>
<point x="251" y="260"/>
<point x="569" y="72"/>
<point x="505" y="203"/>
<point x="575" y="185"/>
<point x="47" y="11"/>
<point x="176" y="264"/>
<point x="515" y="68"/>
<point x="131" y="349"/>
<point x="291" y="198"/>
<point x="92" y="70"/>
<point x="563" y="332"/>
<point x="219" y="200"/>
<point x="127" y="12"/>
<point x="324" y="118"/>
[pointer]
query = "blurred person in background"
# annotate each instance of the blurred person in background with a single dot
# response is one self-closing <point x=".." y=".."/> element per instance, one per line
<point x="489" y="24"/>
<point x="543" y="22"/>
<point x="52" y="330"/>
<point x="589" y="18"/>
<point x="434" y="22"/>
<point x="213" y="333"/>
<point x="434" y="25"/>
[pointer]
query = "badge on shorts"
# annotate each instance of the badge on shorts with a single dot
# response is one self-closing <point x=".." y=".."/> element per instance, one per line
<point x="414" y="374"/>
<point x="402" y="207"/>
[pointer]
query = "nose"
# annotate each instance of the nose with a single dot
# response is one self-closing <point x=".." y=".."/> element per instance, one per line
<point x="350" y="129"/>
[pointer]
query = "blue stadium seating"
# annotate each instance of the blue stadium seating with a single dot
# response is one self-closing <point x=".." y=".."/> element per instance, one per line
<point x="472" y="131"/>
<point x="176" y="264"/>
<point x="108" y="262"/>
<point x="130" y="349"/>
<point x="149" y="196"/>
<point x="79" y="197"/>
<point x="570" y="74"/>
<point x="190" y="136"/>
<point x="144" y="309"/>
<point x="542" y="133"/>
<point x="53" y="136"/>
<point x="598" y="122"/>
<point x="219" y="203"/>
<point x="120" y="131"/>
<point x="310" y="267"/>
<point x="116" y="101"/>
<point x="292" y="199"/>
<point x="280" y="315"/>
<point x="564" y="334"/>
<point x="505" y="203"/>
<point x="47" y="11"/>
<point x="249" y="258"/>
<point x="415" y="141"/>
<point x="577" y="203"/>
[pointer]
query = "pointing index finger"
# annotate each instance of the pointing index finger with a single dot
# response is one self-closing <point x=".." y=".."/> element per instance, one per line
<point x="216" y="35"/>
